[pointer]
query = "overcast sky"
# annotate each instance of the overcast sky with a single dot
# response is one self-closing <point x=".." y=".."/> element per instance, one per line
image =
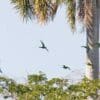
<point x="19" y="42"/>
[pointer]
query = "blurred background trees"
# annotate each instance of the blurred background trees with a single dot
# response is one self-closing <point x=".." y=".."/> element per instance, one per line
<point x="39" y="87"/>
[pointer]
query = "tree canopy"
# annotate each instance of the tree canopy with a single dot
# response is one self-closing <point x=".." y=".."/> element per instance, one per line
<point x="38" y="87"/>
<point x="45" y="10"/>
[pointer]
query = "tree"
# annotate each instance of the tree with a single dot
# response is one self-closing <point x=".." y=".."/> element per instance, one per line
<point x="87" y="11"/>
<point x="38" y="87"/>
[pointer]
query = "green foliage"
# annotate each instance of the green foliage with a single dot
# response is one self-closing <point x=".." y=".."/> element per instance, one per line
<point x="39" y="87"/>
<point x="36" y="79"/>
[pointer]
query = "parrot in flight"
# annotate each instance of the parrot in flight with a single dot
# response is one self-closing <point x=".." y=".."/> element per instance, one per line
<point x="86" y="47"/>
<point x="65" y="67"/>
<point x="43" y="46"/>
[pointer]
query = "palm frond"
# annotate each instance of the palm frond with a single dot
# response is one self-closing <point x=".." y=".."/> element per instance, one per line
<point x="24" y="7"/>
<point x="85" y="13"/>
<point x="80" y="10"/>
<point x="71" y="5"/>
<point x="42" y="10"/>
<point x="45" y="10"/>
<point x="88" y="18"/>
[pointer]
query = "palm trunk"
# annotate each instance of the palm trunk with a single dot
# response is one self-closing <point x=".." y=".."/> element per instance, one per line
<point x="92" y="61"/>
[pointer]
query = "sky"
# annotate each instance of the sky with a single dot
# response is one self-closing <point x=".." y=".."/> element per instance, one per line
<point x="19" y="42"/>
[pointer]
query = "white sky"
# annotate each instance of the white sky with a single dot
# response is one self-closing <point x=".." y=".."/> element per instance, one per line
<point x="19" y="42"/>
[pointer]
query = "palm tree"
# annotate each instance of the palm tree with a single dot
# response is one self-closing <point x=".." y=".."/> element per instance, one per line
<point x="86" y="11"/>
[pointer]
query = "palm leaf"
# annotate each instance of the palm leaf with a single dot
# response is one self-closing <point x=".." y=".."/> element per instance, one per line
<point x="24" y="7"/>
<point x="71" y="4"/>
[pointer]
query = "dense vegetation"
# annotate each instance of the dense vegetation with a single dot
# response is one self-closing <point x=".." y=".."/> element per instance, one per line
<point x="39" y="87"/>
